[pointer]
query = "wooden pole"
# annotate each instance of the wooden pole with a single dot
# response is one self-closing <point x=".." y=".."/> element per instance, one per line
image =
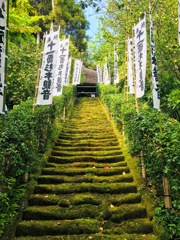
<point x="143" y="168"/>
<point x="167" y="198"/>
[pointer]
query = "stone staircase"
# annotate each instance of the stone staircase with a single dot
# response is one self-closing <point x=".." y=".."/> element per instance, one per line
<point x="86" y="190"/>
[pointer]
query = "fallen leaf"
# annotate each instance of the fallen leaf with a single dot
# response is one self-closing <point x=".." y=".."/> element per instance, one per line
<point x="106" y="167"/>
<point x="58" y="223"/>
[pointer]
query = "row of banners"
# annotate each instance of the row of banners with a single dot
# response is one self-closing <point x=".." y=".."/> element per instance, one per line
<point x="56" y="63"/>
<point x="55" y="70"/>
<point x="136" y="61"/>
<point x="137" y="56"/>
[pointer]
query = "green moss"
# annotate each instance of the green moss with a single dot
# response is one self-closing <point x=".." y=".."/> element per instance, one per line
<point x="86" y="190"/>
<point x="72" y="159"/>
<point x="40" y="228"/>
<point x="65" y="188"/>
<point x="127" y="211"/>
<point x="58" y="212"/>
<point x="73" y="171"/>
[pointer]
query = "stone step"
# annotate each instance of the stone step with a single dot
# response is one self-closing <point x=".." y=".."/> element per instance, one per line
<point x="103" y="188"/>
<point x="99" y="159"/>
<point x="83" y="198"/>
<point x="72" y="171"/>
<point x="49" y="179"/>
<point x="87" y="143"/>
<point x="82" y="136"/>
<point x="99" y="236"/>
<point x="55" y="212"/>
<point x="83" y="148"/>
<point x="87" y="165"/>
<point x="61" y="152"/>
<point x="82" y="226"/>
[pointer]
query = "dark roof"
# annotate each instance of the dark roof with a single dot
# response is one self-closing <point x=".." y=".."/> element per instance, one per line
<point x="90" y="75"/>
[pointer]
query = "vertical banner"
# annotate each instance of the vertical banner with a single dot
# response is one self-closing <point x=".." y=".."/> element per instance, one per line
<point x="106" y="75"/>
<point x="102" y="76"/>
<point x="61" y="67"/>
<point x="45" y="90"/>
<point x="77" y="72"/>
<point x="179" y="20"/>
<point x="68" y="71"/>
<point x="130" y="77"/>
<point x="155" y="84"/>
<point x="116" y="74"/>
<point x="98" y="70"/>
<point x="140" y="41"/>
<point x="2" y="51"/>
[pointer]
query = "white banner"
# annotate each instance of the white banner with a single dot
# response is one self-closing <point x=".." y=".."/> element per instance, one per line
<point x="2" y="51"/>
<point x="140" y="41"/>
<point x="61" y="67"/>
<point x="179" y="20"/>
<point x="68" y="71"/>
<point x="77" y="72"/>
<point x="130" y="77"/>
<point x="45" y="90"/>
<point x="106" y="75"/>
<point x="155" y="84"/>
<point x="98" y="70"/>
<point x="116" y="74"/>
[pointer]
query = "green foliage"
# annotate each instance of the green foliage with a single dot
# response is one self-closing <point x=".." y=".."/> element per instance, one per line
<point x="116" y="25"/>
<point x="24" y="139"/>
<point x="160" y="148"/>
<point x="170" y="221"/>
<point x="22" y="69"/>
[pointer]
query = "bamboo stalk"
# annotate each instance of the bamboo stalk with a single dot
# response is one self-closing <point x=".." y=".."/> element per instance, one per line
<point x="167" y="197"/>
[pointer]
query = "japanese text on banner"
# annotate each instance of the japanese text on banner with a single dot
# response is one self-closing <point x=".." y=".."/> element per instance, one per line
<point x="140" y="56"/>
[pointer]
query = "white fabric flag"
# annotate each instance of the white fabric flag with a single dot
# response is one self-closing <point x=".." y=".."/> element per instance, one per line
<point x="116" y="74"/>
<point x="179" y="20"/>
<point x="68" y="71"/>
<point x="130" y="77"/>
<point x="155" y="84"/>
<point x="98" y="70"/>
<point x="140" y="41"/>
<point x="106" y="75"/>
<point x="77" y="72"/>
<point x="2" y="51"/>
<point x="61" y="66"/>
<point x="45" y="90"/>
<point x="102" y="75"/>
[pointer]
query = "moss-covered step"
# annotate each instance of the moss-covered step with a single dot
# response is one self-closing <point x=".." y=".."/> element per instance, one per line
<point x="73" y="171"/>
<point x="94" y="237"/>
<point x="82" y="226"/>
<point x="84" y="198"/>
<point x="55" y="227"/>
<point x="86" y="165"/>
<point x="61" y="152"/>
<point x="85" y="211"/>
<point x="73" y="129"/>
<point x="88" y="135"/>
<point x="62" y="213"/>
<point x="66" y="188"/>
<point x="83" y="148"/>
<point x="72" y="159"/>
<point x="86" y="143"/>
<point x="49" y="179"/>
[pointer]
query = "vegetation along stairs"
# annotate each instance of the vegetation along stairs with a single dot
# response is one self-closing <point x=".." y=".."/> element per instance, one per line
<point x="86" y="190"/>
